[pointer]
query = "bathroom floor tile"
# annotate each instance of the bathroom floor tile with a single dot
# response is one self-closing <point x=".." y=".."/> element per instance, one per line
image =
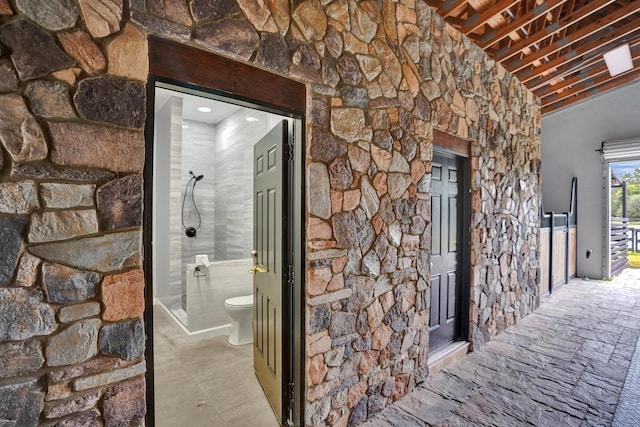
<point x="232" y="387"/>
<point x="253" y="413"/>
<point x="205" y="383"/>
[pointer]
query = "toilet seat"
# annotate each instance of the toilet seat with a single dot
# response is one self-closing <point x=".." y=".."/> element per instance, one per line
<point x="245" y="301"/>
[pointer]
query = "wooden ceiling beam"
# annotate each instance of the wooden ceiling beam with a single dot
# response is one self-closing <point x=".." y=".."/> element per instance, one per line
<point x="581" y="87"/>
<point x="586" y="31"/>
<point x="434" y="4"/>
<point x="583" y="12"/>
<point x="450" y="6"/>
<point x="615" y="82"/>
<point x="477" y="20"/>
<point x="549" y="90"/>
<point x="494" y="36"/>
<point x="543" y="86"/>
<point x="529" y="74"/>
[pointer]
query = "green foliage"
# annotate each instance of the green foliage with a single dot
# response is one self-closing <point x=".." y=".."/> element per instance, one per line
<point x="632" y="178"/>
<point x="634" y="259"/>
<point x="633" y="196"/>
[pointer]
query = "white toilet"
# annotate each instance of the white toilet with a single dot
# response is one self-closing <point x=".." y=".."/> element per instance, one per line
<point x="240" y="309"/>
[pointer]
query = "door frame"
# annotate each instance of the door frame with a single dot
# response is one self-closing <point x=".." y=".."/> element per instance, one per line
<point x="193" y="69"/>
<point x="446" y="144"/>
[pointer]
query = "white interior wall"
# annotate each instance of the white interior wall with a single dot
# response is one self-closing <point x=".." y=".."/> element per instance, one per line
<point x="570" y="138"/>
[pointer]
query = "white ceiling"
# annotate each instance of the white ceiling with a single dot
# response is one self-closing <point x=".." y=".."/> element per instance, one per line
<point x="190" y="103"/>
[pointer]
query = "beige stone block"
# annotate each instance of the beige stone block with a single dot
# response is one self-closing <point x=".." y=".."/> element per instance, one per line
<point x="102" y="147"/>
<point x="318" y="344"/>
<point x="356" y="392"/>
<point x="374" y="315"/>
<point x="351" y="200"/>
<point x="102" y="17"/>
<point x="20" y="133"/>
<point x="337" y="265"/>
<point x="336" y="282"/>
<point x="69" y="75"/>
<point x="123" y="295"/>
<point x="5" y="8"/>
<point x="110" y="377"/>
<point x="336" y="201"/>
<point x="318" y="279"/>
<point x="359" y="158"/>
<point x="259" y="15"/>
<point x="349" y="124"/>
<point x="62" y="196"/>
<point x="321" y="390"/>
<point x="18" y="197"/>
<point x="128" y="54"/>
<point x="318" y="229"/>
<point x="27" y="270"/>
<point x="316" y="369"/>
<point x="280" y="13"/>
<point x="81" y="47"/>
<point x="380" y="183"/>
<point x="311" y="20"/>
<point x="61" y="225"/>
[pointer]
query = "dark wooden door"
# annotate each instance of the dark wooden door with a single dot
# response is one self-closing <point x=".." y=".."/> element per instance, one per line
<point x="446" y="192"/>
<point x="268" y="263"/>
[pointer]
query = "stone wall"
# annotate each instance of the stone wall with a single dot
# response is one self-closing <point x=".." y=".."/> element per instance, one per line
<point x="380" y="76"/>
<point x="72" y="111"/>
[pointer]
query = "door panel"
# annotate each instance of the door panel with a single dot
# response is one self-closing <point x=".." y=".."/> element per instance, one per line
<point x="453" y="224"/>
<point x="267" y="280"/>
<point x="436" y="222"/>
<point x="435" y="300"/>
<point x="445" y="320"/>
<point x="452" y="283"/>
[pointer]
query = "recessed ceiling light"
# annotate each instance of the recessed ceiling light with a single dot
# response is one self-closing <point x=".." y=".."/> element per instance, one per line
<point x="252" y="119"/>
<point x="204" y="109"/>
<point x="185" y="127"/>
<point x="618" y="60"/>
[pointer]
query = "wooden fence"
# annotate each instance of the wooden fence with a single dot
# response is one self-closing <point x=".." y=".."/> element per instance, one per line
<point x="619" y="244"/>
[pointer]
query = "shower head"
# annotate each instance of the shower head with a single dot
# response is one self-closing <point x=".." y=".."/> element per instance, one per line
<point x="197" y="178"/>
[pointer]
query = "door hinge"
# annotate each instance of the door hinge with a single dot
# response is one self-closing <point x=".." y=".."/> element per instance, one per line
<point x="291" y="390"/>
<point x="291" y="275"/>
<point x="291" y="149"/>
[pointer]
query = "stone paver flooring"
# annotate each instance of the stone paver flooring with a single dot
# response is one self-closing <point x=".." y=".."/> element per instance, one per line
<point x="564" y="365"/>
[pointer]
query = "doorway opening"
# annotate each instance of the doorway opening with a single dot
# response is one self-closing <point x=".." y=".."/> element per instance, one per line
<point x="620" y="160"/>
<point x="221" y="350"/>
<point x="450" y="250"/>
<point x="624" y="216"/>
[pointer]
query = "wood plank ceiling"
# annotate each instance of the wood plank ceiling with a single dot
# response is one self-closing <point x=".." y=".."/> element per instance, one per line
<point x="554" y="47"/>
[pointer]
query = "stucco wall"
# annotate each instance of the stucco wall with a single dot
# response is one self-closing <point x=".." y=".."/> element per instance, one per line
<point x="380" y="76"/>
<point x="569" y="140"/>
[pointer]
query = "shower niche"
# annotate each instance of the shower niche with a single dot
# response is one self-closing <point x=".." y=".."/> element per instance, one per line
<point x="203" y="205"/>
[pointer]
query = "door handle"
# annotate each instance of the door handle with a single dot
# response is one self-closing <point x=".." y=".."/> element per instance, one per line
<point x="258" y="268"/>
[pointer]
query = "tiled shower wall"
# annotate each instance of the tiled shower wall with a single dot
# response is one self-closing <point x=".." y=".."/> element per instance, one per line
<point x="223" y="154"/>
<point x="236" y="136"/>
<point x="197" y="154"/>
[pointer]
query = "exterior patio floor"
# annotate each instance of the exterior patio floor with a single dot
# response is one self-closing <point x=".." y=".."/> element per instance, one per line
<point x="563" y="365"/>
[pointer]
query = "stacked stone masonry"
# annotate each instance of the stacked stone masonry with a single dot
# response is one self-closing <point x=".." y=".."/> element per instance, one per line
<point x="381" y="76"/>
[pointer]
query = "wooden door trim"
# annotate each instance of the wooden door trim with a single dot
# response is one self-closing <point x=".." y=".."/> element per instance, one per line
<point x="231" y="78"/>
<point x="447" y="144"/>
<point x="190" y="67"/>
<point x="451" y="143"/>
